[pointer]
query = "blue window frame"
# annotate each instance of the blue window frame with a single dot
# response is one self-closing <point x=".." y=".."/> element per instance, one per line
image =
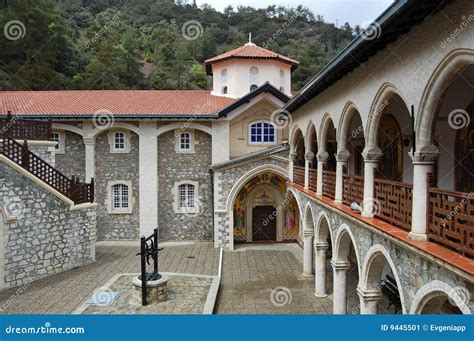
<point x="262" y="133"/>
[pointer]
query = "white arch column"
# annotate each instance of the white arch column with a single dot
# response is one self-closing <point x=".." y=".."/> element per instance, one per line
<point x="89" y="147"/>
<point x="342" y="159"/>
<point x="423" y="164"/>
<point x="290" y="166"/>
<point x="322" y="159"/>
<point x="308" y="157"/>
<point x="371" y="161"/>
<point x="341" y="269"/>
<point x="307" y="253"/>
<point x="369" y="300"/>
<point x="321" y="249"/>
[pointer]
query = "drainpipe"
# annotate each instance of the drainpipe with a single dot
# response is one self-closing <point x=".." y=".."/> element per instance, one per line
<point x="211" y="175"/>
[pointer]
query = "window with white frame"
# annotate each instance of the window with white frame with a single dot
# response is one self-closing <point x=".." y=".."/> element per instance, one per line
<point x="119" y="141"/>
<point x="184" y="141"/>
<point x="58" y="137"/>
<point x="120" y="197"/>
<point x="186" y="195"/>
<point x="262" y="132"/>
<point x="253" y="78"/>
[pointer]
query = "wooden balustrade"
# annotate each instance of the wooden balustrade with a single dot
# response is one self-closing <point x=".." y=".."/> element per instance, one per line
<point x="22" y="129"/>
<point x="393" y="202"/>
<point x="329" y="184"/>
<point x="21" y="155"/>
<point x="313" y="179"/>
<point x="353" y="189"/>
<point x="298" y="175"/>
<point x="451" y="220"/>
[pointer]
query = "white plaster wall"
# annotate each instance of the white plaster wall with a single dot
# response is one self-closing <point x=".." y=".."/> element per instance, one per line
<point x="238" y="76"/>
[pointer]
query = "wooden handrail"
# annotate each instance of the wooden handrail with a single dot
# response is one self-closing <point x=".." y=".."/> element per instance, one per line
<point x="20" y="154"/>
<point x="23" y="129"/>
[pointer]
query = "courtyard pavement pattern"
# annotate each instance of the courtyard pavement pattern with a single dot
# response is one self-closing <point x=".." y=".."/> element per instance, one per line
<point x="256" y="279"/>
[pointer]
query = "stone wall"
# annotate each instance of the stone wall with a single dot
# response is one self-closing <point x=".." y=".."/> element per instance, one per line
<point x="46" y="237"/>
<point x="414" y="269"/>
<point x="115" y="167"/>
<point x="174" y="167"/>
<point x="72" y="162"/>
<point x="44" y="150"/>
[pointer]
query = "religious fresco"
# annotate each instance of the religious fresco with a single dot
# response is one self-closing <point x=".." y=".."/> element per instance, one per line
<point x="391" y="143"/>
<point x="291" y="219"/>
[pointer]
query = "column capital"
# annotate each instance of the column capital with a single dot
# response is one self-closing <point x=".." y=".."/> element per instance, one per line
<point x="308" y="233"/>
<point x="369" y="295"/>
<point x="293" y="156"/>
<point x="340" y="265"/>
<point x="372" y="154"/>
<point x="309" y="156"/>
<point x="88" y="140"/>
<point x="320" y="246"/>
<point x="425" y="155"/>
<point x="322" y="156"/>
<point x="343" y="156"/>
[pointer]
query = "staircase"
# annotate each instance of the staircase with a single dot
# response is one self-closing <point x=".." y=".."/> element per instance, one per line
<point x="19" y="153"/>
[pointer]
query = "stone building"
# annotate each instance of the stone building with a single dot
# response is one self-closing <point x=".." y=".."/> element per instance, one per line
<point x="369" y="166"/>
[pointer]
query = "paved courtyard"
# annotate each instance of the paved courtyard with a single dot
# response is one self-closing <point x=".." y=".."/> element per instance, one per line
<point x="256" y="279"/>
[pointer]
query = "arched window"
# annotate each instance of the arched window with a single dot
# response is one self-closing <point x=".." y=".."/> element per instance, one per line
<point x="253" y="78"/>
<point x="186" y="196"/>
<point x="282" y="89"/>
<point x="262" y="132"/>
<point x="120" y="197"/>
<point x="224" y="90"/>
<point x="224" y="81"/>
<point x="55" y="137"/>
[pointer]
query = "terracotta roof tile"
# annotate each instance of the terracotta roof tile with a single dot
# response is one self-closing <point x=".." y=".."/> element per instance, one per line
<point x="118" y="102"/>
<point x="251" y="51"/>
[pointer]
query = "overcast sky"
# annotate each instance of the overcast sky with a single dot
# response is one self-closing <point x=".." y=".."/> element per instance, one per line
<point x="355" y="12"/>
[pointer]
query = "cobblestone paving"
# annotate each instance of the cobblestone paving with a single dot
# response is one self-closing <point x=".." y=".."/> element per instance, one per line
<point x="186" y="295"/>
<point x="267" y="279"/>
<point x="63" y="293"/>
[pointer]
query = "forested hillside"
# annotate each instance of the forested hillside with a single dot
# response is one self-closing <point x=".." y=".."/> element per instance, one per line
<point x="148" y="44"/>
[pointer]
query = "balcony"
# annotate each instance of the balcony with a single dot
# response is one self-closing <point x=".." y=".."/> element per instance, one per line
<point x="450" y="217"/>
<point x="21" y="129"/>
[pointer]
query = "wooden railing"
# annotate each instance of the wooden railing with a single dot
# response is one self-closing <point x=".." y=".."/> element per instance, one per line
<point x="298" y="175"/>
<point x="20" y="154"/>
<point x="313" y="179"/>
<point x="353" y="189"/>
<point x="451" y="220"/>
<point x="393" y="202"/>
<point x="22" y="129"/>
<point x="329" y="184"/>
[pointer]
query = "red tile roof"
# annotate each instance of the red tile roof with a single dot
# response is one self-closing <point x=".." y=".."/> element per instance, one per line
<point x="251" y="51"/>
<point x="118" y="102"/>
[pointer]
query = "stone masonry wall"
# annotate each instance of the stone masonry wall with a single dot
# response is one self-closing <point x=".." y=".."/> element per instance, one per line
<point x="73" y="161"/>
<point x="114" y="167"/>
<point x="174" y="167"/>
<point x="47" y="237"/>
<point x="413" y="269"/>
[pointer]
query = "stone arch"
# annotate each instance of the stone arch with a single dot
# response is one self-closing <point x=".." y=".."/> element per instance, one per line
<point x="279" y="201"/>
<point x="118" y="125"/>
<point x="377" y="109"/>
<point x="372" y="268"/>
<point x="295" y="194"/>
<point x="309" y="220"/>
<point x="350" y="109"/>
<point x="67" y="127"/>
<point x="183" y="126"/>
<point x="323" y="229"/>
<point x="249" y="175"/>
<point x="294" y="133"/>
<point x="310" y="129"/>
<point x="432" y="96"/>
<point x="436" y="289"/>
<point x="323" y="131"/>
<point x="344" y="238"/>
